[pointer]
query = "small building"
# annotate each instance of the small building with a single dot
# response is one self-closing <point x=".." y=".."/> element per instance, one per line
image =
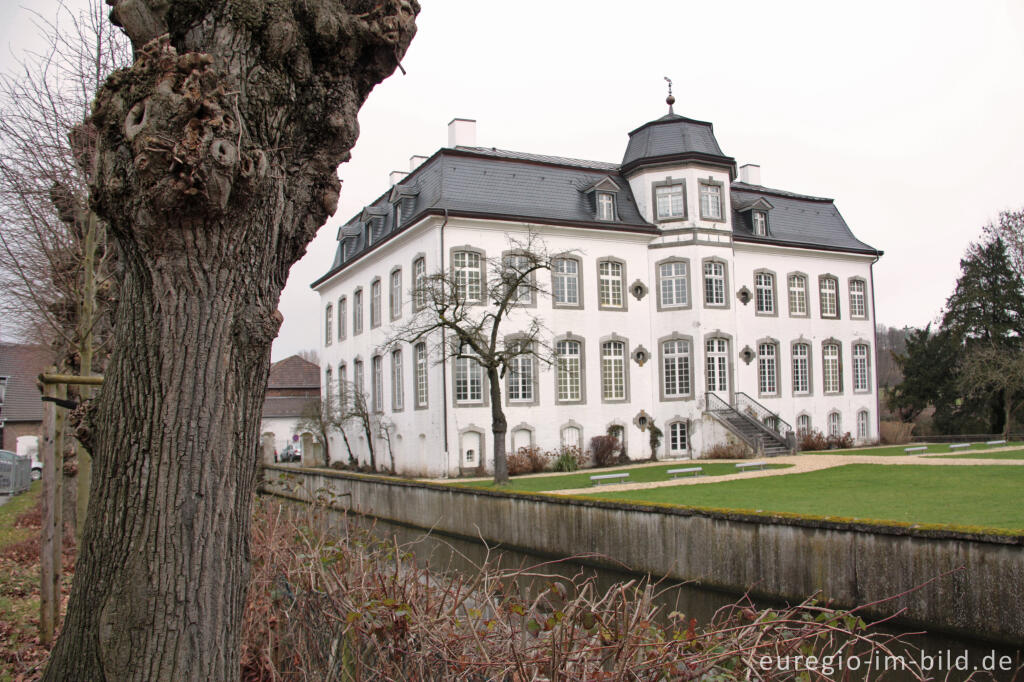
<point x="683" y="291"/>
<point x="294" y="382"/>
<point x="21" y="410"/>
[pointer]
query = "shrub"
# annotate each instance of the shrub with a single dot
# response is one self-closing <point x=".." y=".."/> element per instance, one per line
<point x="895" y="433"/>
<point x="570" y="458"/>
<point x="529" y="460"/>
<point x="605" y="450"/>
<point x="733" y="450"/>
<point x="813" y="440"/>
<point x="840" y="442"/>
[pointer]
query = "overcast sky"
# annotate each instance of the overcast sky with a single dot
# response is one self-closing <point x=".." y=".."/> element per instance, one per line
<point x="908" y="114"/>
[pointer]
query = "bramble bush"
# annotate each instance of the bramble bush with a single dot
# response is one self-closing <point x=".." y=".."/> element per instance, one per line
<point x="605" y="450"/>
<point x="528" y="460"/>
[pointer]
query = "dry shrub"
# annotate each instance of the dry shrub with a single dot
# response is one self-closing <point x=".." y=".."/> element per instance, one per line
<point x="733" y="450"/>
<point x="605" y="450"/>
<point x="569" y="458"/>
<point x="895" y="433"/>
<point x="813" y="440"/>
<point x="341" y="605"/>
<point x="528" y="460"/>
<point x="840" y="442"/>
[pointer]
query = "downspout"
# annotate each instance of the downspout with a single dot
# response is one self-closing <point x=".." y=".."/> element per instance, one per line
<point x="444" y="370"/>
<point x="874" y="336"/>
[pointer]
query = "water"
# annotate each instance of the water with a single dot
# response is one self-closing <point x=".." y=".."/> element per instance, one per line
<point x="942" y="653"/>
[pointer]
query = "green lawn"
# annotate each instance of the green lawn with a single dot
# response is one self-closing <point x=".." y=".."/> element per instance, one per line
<point x="978" y="496"/>
<point x="581" y="479"/>
<point x="967" y="454"/>
<point x="900" y="450"/>
<point x="12" y="510"/>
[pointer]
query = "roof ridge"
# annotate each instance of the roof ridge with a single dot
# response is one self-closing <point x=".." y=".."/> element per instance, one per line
<point x="747" y="187"/>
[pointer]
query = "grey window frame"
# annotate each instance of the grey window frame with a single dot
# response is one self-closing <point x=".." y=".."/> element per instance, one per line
<point x="377" y="383"/>
<point x="376" y="294"/>
<point x="726" y="303"/>
<point x="579" y="283"/>
<point x="454" y="272"/>
<point x="810" y="424"/>
<point x="419" y="299"/>
<point x="821" y="297"/>
<point x="417" y="405"/>
<point x="597" y="206"/>
<point x="357" y="311"/>
<point x="867" y="424"/>
<point x="789" y="294"/>
<point x="531" y="359"/>
<point x="358" y="380"/>
<point x="864" y="297"/>
<point x="583" y="369"/>
<point x="395" y="301"/>
<point x="730" y="377"/>
<point x="623" y="292"/>
<point x="615" y="338"/>
<point x="329" y="324"/>
<point x="342" y="318"/>
<point x="774" y="294"/>
<point x="397" y="381"/>
<point x="572" y="424"/>
<point x="659" y="304"/>
<point x="810" y="367"/>
<point x="710" y="182"/>
<point x="668" y="182"/>
<point x="753" y="222"/>
<point x="824" y="366"/>
<point x="531" y="282"/>
<point x="675" y="336"/>
<point x="469" y="402"/>
<point x="774" y="344"/>
<point x="828" y="423"/>
<point x="867" y="365"/>
<point x="668" y="436"/>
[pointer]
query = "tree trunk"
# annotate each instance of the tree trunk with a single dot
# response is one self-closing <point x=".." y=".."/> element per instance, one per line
<point x="499" y="427"/>
<point x="215" y="167"/>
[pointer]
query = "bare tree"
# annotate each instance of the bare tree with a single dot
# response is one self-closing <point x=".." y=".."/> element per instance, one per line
<point x="354" y="409"/>
<point x="56" y="265"/>
<point x="1010" y="228"/>
<point x="215" y="165"/>
<point x="463" y="320"/>
<point x="319" y="416"/>
<point x="994" y="370"/>
<point x="310" y="355"/>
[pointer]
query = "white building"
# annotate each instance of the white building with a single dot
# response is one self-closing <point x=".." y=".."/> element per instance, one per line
<point x="690" y="294"/>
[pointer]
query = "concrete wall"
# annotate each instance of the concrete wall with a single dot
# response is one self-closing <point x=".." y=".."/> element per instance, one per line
<point x="789" y="558"/>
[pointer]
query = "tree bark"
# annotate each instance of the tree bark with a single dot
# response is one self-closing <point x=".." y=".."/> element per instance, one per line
<point x="499" y="427"/>
<point x="216" y="166"/>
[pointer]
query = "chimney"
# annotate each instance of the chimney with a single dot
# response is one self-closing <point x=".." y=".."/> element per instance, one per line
<point x="750" y="173"/>
<point x="415" y="161"/>
<point x="395" y="177"/>
<point x="462" y="132"/>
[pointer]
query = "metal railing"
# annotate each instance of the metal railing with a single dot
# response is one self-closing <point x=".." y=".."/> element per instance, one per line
<point x="712" y="403"/>
<point x="15" y="473"/>
<point x="749" y="407"/>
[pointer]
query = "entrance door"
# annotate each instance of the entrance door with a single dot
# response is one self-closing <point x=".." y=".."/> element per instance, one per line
<point x="717" y="367"/>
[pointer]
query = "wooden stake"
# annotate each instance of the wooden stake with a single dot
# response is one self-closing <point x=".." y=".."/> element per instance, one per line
<point x="46" y="451"/>
<point x="58" y="502"/>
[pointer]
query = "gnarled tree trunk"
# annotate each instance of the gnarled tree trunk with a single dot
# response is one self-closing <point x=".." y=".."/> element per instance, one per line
<point x="216" y="165"/>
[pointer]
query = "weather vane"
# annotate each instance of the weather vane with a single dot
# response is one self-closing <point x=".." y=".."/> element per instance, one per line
<point x="670" y="99"/>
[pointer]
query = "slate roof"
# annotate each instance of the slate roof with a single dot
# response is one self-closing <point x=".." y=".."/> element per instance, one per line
<point x="481" y="182"/>
<point x="294" y="372"/>
<point x="22" y="364"/>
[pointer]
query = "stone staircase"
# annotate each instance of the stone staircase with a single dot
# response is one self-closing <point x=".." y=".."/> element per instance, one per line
<point x="752" y="431"/>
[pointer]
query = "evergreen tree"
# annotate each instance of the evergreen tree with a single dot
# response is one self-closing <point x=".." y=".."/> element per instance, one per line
<point x="988" y="303"/>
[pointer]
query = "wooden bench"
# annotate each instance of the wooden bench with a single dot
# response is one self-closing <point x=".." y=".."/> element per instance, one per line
<point x="696" y="471"/>
<point x="606" y="478"/>
<point x="750" y="465"/>
<point x="957" y="446"/>
<point x="919" y="448"/>
<point x="995" y="442"/>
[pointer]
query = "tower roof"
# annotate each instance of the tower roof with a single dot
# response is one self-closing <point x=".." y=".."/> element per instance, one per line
<point x="673" y="138"/>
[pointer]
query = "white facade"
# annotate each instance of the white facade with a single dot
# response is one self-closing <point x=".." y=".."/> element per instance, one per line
<point x="680" y="333"/>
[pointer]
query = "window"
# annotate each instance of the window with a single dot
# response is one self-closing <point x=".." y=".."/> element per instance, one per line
<point x="717" y="363"/>
<point x="375" y="304"/>
<point x="829" y="288"/>
<point x="714" y="283"/>
<point x="515" y="265"/>
<point x="830" y="368"/>
<point x="764" y="284"/>
<point x="357" y="378"/>
<point x="797" y="295"/>
<point x="861" y="379"/>
<point x="767" y="369"/>
<point x="328" y="383"/>
<point x="421" y="374"/>
<point x="520" y="376"/>
<point x="675" y="362"/>
<point x="863" y="425"/>
<point x="342" y="385"/>
<point x="342" y="317"/>
<point x="669" y="202"/>
<point x="835" y="424"/>
<point x="565" y="282"/>
<point x="378" y="383"/>
<point x="469" y="380"/>
<point x="468" y="276"/>
<point x="605" y="206"/>
<point x="803" y="425"/>
<point x="609" y="284"/>
<point x="568" y="365"/>
<point x="858" y="302"/>
<point x="3" y="389"/>
<point x="328" y="324"/>
<point x="710" y="200"/>
<point x="357" y="312"/>
<point x="572" y="437"/>
<point x="397" y="381"/>
<point x="760" y="219"/>
<point x="613" y="370"/>
<point x="673" y="285"/>
<point x="395" y="295"/>
<point x="419" y="283"/>
<point x="398" y="213"/>
<point x="801" y="369"/>
<point x="678" y="440"/>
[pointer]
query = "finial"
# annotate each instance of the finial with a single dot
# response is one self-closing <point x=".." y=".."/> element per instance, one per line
<point x="670" y="100"/>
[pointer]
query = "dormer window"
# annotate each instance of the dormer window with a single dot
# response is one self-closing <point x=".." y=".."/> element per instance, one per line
<point x="760" y="219"/>
<point x="669" y="200"/>
<point x="398" y="213"/>
<point x="605" y="206"/>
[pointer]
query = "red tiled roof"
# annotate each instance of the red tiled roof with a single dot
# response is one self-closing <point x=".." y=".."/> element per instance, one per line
<point x="294" y="372"/>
